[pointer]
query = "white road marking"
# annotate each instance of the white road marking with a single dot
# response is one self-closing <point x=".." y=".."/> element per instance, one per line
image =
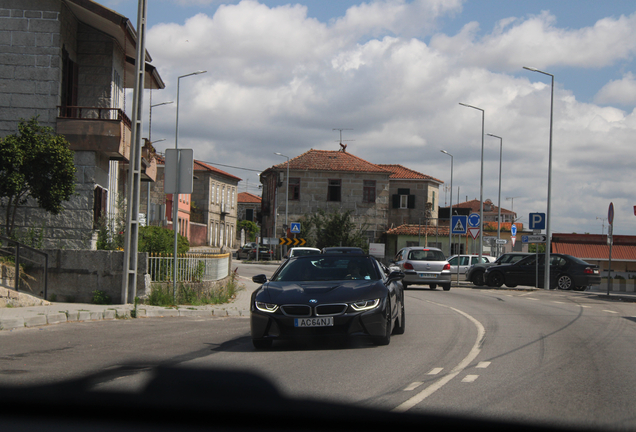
<point x="435" y="371"/>
<point x="609" y="311"/>
<point x="474" y="352"/>
<point x="482" y="365"/>
<point x="470" y="378"/>
<point x="413" y="386"/>
<point x="558" y="302"/>
<point x="585" y="306"/>
<point x="530" y="298"/>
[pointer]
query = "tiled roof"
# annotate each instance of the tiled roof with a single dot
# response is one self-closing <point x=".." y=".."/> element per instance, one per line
<point x="413" y="230"/>
<point x="248" y="198"/>
<point x="199" y="166"/>
<point x="594" y="246"/>
<point x="505" y="226"/>
<point x="401" y="172"/>
<point x="327" y="160"/>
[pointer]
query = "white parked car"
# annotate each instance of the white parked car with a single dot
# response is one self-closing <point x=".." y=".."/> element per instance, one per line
<point x="299" y="251"/>
<point x="463" y="262"/>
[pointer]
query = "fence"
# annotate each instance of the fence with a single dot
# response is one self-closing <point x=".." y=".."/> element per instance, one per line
<point x="190" y="267"/>
<point x="11" y="274"/>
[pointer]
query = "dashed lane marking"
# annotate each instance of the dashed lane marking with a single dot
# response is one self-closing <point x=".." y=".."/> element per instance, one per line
<point x="482" y="365"/>
<point x="435" y="371"/>
<point x="470" y="378"/>
<point x="609" y="311"/>
<point x="413" y="386"/>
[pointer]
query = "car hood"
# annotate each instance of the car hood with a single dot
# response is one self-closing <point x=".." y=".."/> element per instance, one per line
<point x="323" y="292"/>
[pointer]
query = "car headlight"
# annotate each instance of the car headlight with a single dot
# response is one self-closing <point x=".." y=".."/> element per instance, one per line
<point x="266" y="307"/>
<point x="365" y="305"/>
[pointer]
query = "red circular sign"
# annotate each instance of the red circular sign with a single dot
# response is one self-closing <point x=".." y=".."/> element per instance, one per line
<point x="610" y="214"/>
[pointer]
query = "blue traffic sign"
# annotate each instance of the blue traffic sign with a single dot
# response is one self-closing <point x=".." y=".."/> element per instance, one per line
<point x="537" y="221"/>
<point x="295" y="227"/>
<point x="459" y="224"/>
<point x="513" y="230"/>
<point x="473" y="220"/>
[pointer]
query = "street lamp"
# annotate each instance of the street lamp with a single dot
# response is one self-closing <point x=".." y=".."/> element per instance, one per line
<point x="450" y="218"/>
<point x="287" y="194"/>
<point x="175" y="196"/>
<point x="481" y="183"/>
<point x="151" y="142"/>
<point x="150" y="118"/>
<point x="499" y="198"/>
<point x="548" y="242"/>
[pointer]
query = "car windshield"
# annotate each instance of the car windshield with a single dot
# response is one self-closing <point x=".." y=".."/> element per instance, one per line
<point x="328" y="268"/>
<point x="426" y="255"/>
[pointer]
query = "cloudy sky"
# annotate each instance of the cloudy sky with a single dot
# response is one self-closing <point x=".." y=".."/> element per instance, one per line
<point x="282" y="75"/>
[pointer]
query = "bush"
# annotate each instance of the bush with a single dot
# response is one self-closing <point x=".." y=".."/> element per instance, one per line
<point x="154" y="239"/>
<point x="100" y="298"/>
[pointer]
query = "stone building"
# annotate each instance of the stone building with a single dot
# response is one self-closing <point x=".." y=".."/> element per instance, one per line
<point x="69" y="62"/>
<point x="339" y="181"/>
<point x="249" y="207"/>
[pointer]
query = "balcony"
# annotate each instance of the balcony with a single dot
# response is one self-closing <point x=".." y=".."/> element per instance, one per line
<point x="104" y="130"/>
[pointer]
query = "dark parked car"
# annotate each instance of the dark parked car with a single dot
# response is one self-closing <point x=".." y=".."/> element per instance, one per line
<point x="328" y="295"/>
<point x="566" y="272"/>
<point x="248" y="252"/>
<point x="343" y="249"/>
<point x="475" y="273"/>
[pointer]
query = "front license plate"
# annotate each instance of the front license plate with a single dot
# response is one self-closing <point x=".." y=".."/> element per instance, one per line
<point x="428" y="275"/>
<point x="313" y="322"/>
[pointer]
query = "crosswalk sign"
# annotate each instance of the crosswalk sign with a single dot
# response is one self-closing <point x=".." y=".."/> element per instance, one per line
<point x="459" y="224"/>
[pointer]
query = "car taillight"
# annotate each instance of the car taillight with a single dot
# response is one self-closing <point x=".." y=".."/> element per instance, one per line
<point x="408" y="266"/>
<point x="589" y="270"/>
<point x="447" y="266"/>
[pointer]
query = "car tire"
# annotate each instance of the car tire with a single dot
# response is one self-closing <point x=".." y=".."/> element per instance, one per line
<point x="446" y="287"/>
<point x="511" y="285"/>
<point x="386" y="339"/>
<point x="564" y="282"/>
<point x="401" y="326"/>
<point x="496" y="279"/>
<point x="581" y="288"/>
<point x="478" y="278"/>
<point x="432" y="286"/>
<point x="262" y="343"/>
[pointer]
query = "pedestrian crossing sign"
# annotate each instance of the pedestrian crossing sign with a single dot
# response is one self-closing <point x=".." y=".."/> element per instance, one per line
<point x="459" y="224"/>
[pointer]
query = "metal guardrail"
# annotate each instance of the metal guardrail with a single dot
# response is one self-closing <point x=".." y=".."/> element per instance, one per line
<point x="190" y="267"/>
<point x="18" y="258"/>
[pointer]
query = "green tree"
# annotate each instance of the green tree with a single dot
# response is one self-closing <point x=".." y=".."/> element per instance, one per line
<point x="155" y="239"/>
<point x="333" y="229"/>
<point x="532" y="247"/>
<point x="251" y="229"/>
<point x="35" y="163"/>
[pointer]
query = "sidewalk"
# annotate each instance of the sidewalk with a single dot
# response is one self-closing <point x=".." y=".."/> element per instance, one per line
<point x="56" y="313"/>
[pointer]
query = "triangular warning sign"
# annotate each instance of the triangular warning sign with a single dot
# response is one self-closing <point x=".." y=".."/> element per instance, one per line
<point x="459" y="227"/>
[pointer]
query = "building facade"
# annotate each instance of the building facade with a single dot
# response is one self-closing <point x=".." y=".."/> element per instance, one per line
<point x="69" y="62"/>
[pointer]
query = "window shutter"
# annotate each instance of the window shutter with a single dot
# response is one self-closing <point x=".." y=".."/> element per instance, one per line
<point x="411" y="203"/>
<point x="396" y="201"/>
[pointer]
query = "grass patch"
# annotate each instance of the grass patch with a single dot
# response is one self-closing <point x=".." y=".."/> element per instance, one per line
<point x="193" y="294"/>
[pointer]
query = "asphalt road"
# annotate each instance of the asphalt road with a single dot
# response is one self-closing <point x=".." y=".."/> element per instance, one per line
<point x="559" y="357"/>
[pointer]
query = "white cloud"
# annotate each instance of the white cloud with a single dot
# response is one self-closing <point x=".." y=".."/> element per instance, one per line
<point x="621" y="92"/>
<point x="279" y="81"/>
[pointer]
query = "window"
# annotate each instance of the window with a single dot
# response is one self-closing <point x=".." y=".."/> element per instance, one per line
<point x="333" y="191"/>
<point x="294" y="189"/>
<point x="232" y="197"/>
<point x="403" y="199"/>
<point x="368" y="191"/>
<point x="249" y="215"/>
<point x="100" y="198"/>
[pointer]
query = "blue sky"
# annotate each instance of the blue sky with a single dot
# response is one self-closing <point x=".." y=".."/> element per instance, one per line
<point x="281" y="75"/>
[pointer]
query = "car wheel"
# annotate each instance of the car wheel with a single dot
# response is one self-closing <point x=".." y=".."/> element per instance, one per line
<point x="581" y="288"/>
<point x="262" y="343"/>
<point x="446" y="287"/>
<point x="386" y="339"/>
<point x="432" y="286"/>
<point x="564" y="282"/>
<point x="496" y="280"/>
<point x="478" y="278"/>
<point x="401" y="326"/>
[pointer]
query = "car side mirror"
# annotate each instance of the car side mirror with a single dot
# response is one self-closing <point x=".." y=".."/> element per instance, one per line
<point x="260" y="279"/>
<point x="395" y="276"/>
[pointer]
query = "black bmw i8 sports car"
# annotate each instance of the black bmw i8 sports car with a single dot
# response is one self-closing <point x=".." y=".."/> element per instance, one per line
<point x="328" y="295"/>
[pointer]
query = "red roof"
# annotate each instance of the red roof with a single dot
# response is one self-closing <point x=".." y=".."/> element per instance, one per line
<point x="474" y="206"/>
<point x="327" y="160"/>
<point x="401" y="172"/>
<point x="248" y="198"/>
<point x="594" y="246"/>
<point x="413" y="230"/>
<point x="199" y="166"/>
<point x="505" y="226"/>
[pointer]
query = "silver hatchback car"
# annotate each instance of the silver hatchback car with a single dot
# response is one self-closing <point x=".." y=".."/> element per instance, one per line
<point x="423" y="266"/>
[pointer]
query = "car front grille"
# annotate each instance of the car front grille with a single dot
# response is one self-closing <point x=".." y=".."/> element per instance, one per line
<point x="331" y="309"/>
<point x="296" y="310"/>
<point x="321" y="310"/>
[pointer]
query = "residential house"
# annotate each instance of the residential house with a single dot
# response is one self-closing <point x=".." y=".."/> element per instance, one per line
<point x="249" y="207"/>
<point x="339" y="181"/>
<point x="69" y="62"/>
<point x="490" y="211"/>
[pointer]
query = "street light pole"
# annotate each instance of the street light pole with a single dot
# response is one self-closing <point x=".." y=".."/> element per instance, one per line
<point x="151" y="142"/>
<point x="286" y="196"/>
<point x="499" y="197"/>
<point x="175" y="196"/>
<point x="450" y="218"/>
<point x="548" y="234"/>
<point x="481" y="183"/>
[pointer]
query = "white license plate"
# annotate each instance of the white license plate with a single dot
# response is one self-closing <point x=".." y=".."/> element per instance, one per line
<point x="428" y="275"/>
<point x="313" y="322"/>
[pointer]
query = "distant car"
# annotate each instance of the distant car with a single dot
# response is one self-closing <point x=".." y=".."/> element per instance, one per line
<point x="566" y="272"/>
<point x="343" y="249"/>
<point x="248" y="252"/>
<point x="301" y="251"/>
<point x="327" y="295"/>
<point x="423" y="266"/>
<point x="475" y="273"/>
<point x="465" y="261"/>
